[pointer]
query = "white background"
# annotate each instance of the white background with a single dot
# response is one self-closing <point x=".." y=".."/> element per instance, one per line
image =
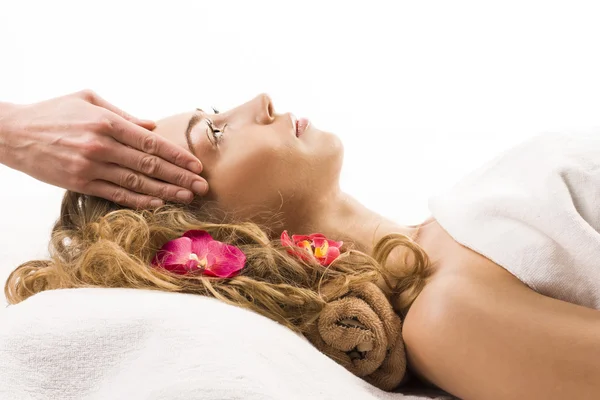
<point x="421" y="92"/>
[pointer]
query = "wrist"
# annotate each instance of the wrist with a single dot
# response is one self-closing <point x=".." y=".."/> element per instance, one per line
<point x="5" y="110"/>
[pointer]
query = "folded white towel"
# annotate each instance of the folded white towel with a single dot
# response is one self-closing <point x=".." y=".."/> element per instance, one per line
<point x="140" y="344"/>
<point x="535" y="210"/>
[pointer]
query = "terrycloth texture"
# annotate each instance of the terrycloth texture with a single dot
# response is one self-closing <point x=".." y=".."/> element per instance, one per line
<point x="535" y="210"/>
<point x="99" y="344"/>
<point x="363" y="321"/>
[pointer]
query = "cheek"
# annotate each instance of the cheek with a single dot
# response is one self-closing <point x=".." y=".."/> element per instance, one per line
<point x="260" y="175"/>
<point x="253" y="175"/>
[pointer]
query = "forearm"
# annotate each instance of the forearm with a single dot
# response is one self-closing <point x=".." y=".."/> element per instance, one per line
<point x="5" y="109"/>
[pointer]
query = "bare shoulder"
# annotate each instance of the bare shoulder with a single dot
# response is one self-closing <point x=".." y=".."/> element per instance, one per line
<point x="489" y="336"/>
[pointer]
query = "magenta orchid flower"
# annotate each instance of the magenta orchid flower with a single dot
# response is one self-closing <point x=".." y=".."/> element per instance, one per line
<point x="197" y="251"/>
<point x="314" y="245"/>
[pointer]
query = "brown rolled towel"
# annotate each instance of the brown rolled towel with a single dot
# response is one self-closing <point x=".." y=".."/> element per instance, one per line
<point x="360" y="330"/>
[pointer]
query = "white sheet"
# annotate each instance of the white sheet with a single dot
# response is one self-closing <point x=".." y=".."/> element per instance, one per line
<point x="138" y="344"/>
<point x="535" y="210"/>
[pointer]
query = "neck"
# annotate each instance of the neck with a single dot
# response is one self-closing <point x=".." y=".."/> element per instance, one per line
<point x="341" y="217"/>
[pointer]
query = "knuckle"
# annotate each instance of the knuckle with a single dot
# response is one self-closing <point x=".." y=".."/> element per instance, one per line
<point x="101" y="123"/>
<point x="119" y="196"/>
<point x="92" y="147"/>
<point x="80" y="167"/>
<point x="164" y="192"/>
<point x="149" y="144"/>
<point x="149" y="165"/>
<point x="178" y="157"/>
<point x="182" y="179"/>
<point x="132" y="181"/>
<point x="79" y="184"/>
<point x="87" y="94"/>
<point x="104" y="122"/>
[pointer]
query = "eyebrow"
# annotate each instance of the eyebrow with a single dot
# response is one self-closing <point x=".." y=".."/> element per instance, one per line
<point x="196" y="118"/>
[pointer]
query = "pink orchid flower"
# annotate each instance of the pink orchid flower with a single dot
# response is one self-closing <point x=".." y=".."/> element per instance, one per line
<point x="197" y="251"/>
<point x="314" y="245"/>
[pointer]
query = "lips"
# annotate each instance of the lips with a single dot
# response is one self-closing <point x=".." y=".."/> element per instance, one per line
<point x="301" y="125"/>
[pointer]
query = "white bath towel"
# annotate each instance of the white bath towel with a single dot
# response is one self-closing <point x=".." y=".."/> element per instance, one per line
<point x="101" y="344"/>
<point x="535" y="210"/>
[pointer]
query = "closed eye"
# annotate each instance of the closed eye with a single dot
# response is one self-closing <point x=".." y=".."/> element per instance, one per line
<point x="216" y="133"/>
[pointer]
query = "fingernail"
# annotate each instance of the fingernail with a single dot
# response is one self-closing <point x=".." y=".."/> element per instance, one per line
<point x="195" y="166"/>
<point x="150" y="125"/>
<point x="199" y="187"/>
<point x="156" y="203"/>
<point x="184" y="195"/>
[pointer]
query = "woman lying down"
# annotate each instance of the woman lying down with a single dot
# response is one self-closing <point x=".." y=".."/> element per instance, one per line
<point x="493" y="296"/>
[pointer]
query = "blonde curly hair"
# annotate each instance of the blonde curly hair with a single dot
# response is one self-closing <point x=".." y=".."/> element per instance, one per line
<point x="97" y="243"/>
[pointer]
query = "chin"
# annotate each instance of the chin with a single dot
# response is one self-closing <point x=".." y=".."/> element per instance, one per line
<point x="335" y="146"/>
<point x="334" y="149"/>
<point x="330" y="151"/>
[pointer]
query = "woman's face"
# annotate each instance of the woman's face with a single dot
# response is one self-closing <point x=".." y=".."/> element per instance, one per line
<point x="256" y="162"/>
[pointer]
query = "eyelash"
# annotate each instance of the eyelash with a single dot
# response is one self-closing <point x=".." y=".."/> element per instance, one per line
<point x="216" y="139"/>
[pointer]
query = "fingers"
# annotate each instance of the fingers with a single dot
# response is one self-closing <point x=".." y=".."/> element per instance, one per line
<point x="143" y="155"/>
<point x="141" y="184"/>
<point x="156" y="167"/>
<point x="146" y="124"/>
<point x="122" y="196"/>
<point x="150" y="143"/>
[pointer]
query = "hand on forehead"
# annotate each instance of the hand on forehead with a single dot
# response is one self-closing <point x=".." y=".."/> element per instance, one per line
<point x="173" y="128"/>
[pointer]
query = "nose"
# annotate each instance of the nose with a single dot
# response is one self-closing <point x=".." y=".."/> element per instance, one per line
<point x="264" y="109"/>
